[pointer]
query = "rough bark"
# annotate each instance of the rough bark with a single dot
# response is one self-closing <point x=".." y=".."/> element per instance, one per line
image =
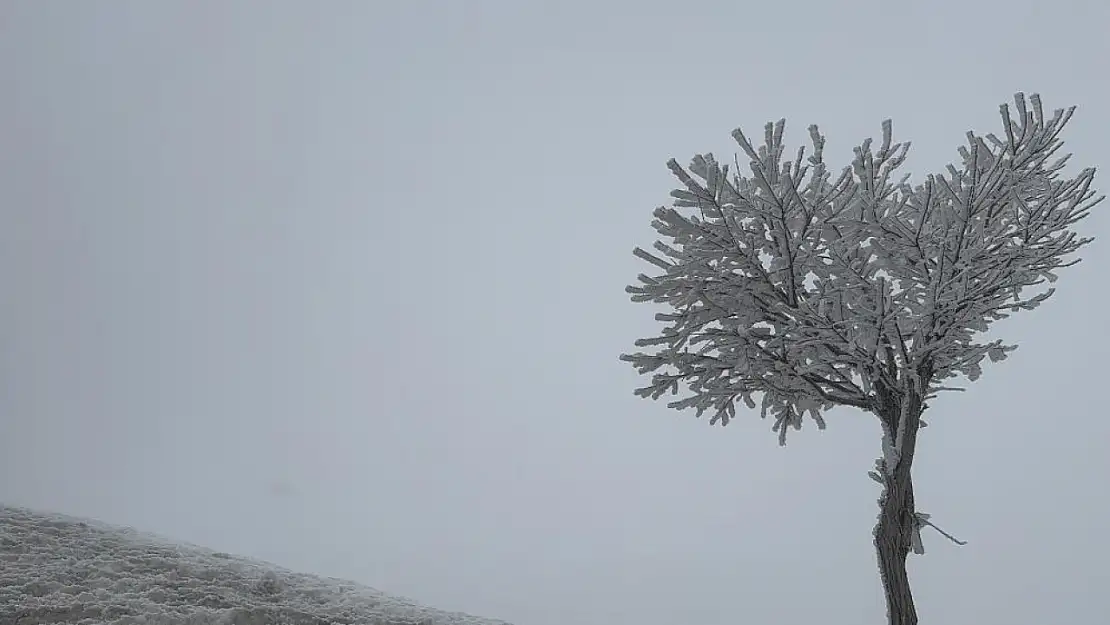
<point x="894" y="531"/>
<point x="892" y="541"/>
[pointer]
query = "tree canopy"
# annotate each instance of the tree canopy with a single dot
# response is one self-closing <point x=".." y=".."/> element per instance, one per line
<point x="812" y="291"/>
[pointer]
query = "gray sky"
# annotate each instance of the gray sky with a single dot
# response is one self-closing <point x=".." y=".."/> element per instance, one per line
<point x="340" y="285"/>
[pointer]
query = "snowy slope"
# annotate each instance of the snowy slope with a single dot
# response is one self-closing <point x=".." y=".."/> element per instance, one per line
<point x="56" y="569"/>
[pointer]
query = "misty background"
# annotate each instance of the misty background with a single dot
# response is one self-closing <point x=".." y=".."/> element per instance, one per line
<point x="339" y="285"/>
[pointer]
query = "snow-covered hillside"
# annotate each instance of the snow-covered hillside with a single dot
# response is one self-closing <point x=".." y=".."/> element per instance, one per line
<point x="56" y="569"/>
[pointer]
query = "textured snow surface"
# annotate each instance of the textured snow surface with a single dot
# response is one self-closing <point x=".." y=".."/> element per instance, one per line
<point x="56" y="569"/>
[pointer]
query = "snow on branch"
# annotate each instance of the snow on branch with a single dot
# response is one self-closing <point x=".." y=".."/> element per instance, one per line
<point x="812" y="290"/>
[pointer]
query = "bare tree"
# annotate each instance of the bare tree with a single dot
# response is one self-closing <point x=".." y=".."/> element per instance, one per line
<point x="808" y="292"/>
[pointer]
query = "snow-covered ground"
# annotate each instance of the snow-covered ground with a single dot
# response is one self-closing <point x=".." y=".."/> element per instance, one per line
<point x="56" y="569"/>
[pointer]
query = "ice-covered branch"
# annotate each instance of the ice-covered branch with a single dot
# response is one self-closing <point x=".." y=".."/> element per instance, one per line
<point x="814" y="291"/>
<point x="921" y="520"/>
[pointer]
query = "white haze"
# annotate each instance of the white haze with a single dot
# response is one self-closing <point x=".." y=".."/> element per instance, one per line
<point x="340" y="286"/>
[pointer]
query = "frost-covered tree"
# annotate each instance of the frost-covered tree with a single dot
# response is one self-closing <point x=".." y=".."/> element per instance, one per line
<point x="795" y="291"/>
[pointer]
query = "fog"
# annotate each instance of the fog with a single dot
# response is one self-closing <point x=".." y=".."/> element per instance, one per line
<point x="341" y="286"/>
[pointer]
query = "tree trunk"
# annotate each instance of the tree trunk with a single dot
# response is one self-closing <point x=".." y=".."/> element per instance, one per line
<point x="893" y="537"/>
<point x="895" y="529"/>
